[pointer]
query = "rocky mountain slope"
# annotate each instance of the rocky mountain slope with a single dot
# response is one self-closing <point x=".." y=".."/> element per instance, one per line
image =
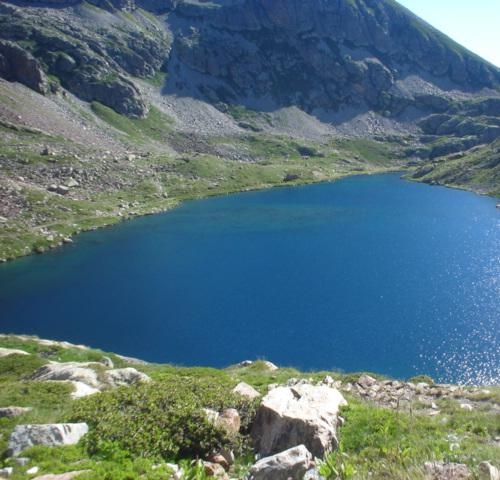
<point x="69" y="411"/>
<point x="111" y="108"/>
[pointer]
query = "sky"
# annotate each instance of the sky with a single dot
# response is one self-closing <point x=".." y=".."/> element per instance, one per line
<point x="473" y="23"/>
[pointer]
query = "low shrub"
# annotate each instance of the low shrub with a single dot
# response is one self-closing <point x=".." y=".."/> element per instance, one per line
<point x="163" y="419"/>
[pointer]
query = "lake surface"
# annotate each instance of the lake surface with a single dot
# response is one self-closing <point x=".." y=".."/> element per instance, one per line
<point x="367" y="273"/>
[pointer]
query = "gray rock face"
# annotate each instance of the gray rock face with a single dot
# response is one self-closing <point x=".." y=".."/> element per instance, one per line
<point x="61" y="476"/>
<point x="16" y="64"/>
<point x="292" y="463"/>
<point x="303" y="414"/>
<point x="25" y="436"/>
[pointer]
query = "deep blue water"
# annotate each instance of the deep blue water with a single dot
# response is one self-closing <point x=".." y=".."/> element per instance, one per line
<point x="367" y="273"/>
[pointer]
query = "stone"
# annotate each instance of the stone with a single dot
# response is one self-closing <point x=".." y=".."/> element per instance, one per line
<point x="446" y="471"/>
<point x="107" y="362"/>
<point x="61" y="476"/>
<point x="5" y="352"/>
<point x="32" y="470"/>
<point x="303" y="414"/>
<point x="215" y="470"/>
<point x="466" y="406"/>
<point x="55" y="434"/>
<point x="220" y="460"/>
<point x="365" y="381"/>
<point x="246" y="391"/>
<point x="292" y="463"/>
<point x="72" y="371"/>
<point x="6" y="472"/>
<point x="229" y="420"/>
<point x="488" y="472"/>
<point x="11" y="412"/>
<point x="125" y="376"/>
<point x="72" y="183"/>
<point x="22" y="461"/>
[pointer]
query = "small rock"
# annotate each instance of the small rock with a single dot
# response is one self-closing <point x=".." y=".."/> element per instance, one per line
<point x="292" y="463"/>
<point x="270" y="366"/>
<point x="215" y="470"/>
<point x="72" y="183"/>
<point x="246" y="390"/>
<point x="365" y="381"/>
<point x="466" y="406"/>
<point x="67" y="240"/>
<point x="22" y="461"/>
<point x="106" y="361"/>
<point x="82" y="390"/>
<point x="328" y="381"/>
<point x="32" y="471"/>
<point x="3" y="220"/>
<point x="11" y="412"/>
<point x="220" y="460"/>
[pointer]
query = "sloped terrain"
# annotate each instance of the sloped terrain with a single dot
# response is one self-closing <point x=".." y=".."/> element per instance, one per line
<point x="110" y="109"/>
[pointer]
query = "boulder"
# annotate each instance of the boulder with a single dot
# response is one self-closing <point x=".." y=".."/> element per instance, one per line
<point x="11" y="412"/>
<point x="5" y="352"/>
<point x="55" y="434"/>
<point x="125" y="376"/>
<point x="446" y="471"/>
<point x="246" y="391"/>
<point x="292" y="463"/>
<point x="488" y="472"/>
<point x="72" y="371"/>
<point x="303" y="414"/>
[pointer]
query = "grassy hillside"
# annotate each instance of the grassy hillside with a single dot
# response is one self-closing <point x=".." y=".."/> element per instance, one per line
<point x="143" y="431"/>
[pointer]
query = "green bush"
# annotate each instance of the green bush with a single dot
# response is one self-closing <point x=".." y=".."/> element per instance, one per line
<point x="162" y="419"/>
<point x="15" y="367"/>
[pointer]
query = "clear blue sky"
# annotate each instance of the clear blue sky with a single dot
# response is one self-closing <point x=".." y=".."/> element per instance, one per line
<point x="473" y="23"/>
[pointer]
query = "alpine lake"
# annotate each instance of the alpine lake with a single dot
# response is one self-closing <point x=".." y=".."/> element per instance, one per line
<point x="369" y="273"/>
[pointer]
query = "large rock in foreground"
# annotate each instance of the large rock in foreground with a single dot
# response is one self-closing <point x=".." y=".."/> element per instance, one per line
<point x="54" y="434"/>
<point x="292" y="463"/>
<point x="303" y="414"/>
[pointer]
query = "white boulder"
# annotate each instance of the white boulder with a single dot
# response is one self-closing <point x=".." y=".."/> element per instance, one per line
<point x="303" y="414"/>
<point x="54" y="434"/>
<point x="292" y="463"/>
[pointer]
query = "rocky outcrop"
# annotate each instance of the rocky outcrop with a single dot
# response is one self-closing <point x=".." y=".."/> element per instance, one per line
<point x="488" y="471"/>
<point x="25" y="436"/>
<point x="292" y="463"/>
<point x="89" y="378"/>
<point x="18" y="65"/>
<point x="303" y="414"/>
